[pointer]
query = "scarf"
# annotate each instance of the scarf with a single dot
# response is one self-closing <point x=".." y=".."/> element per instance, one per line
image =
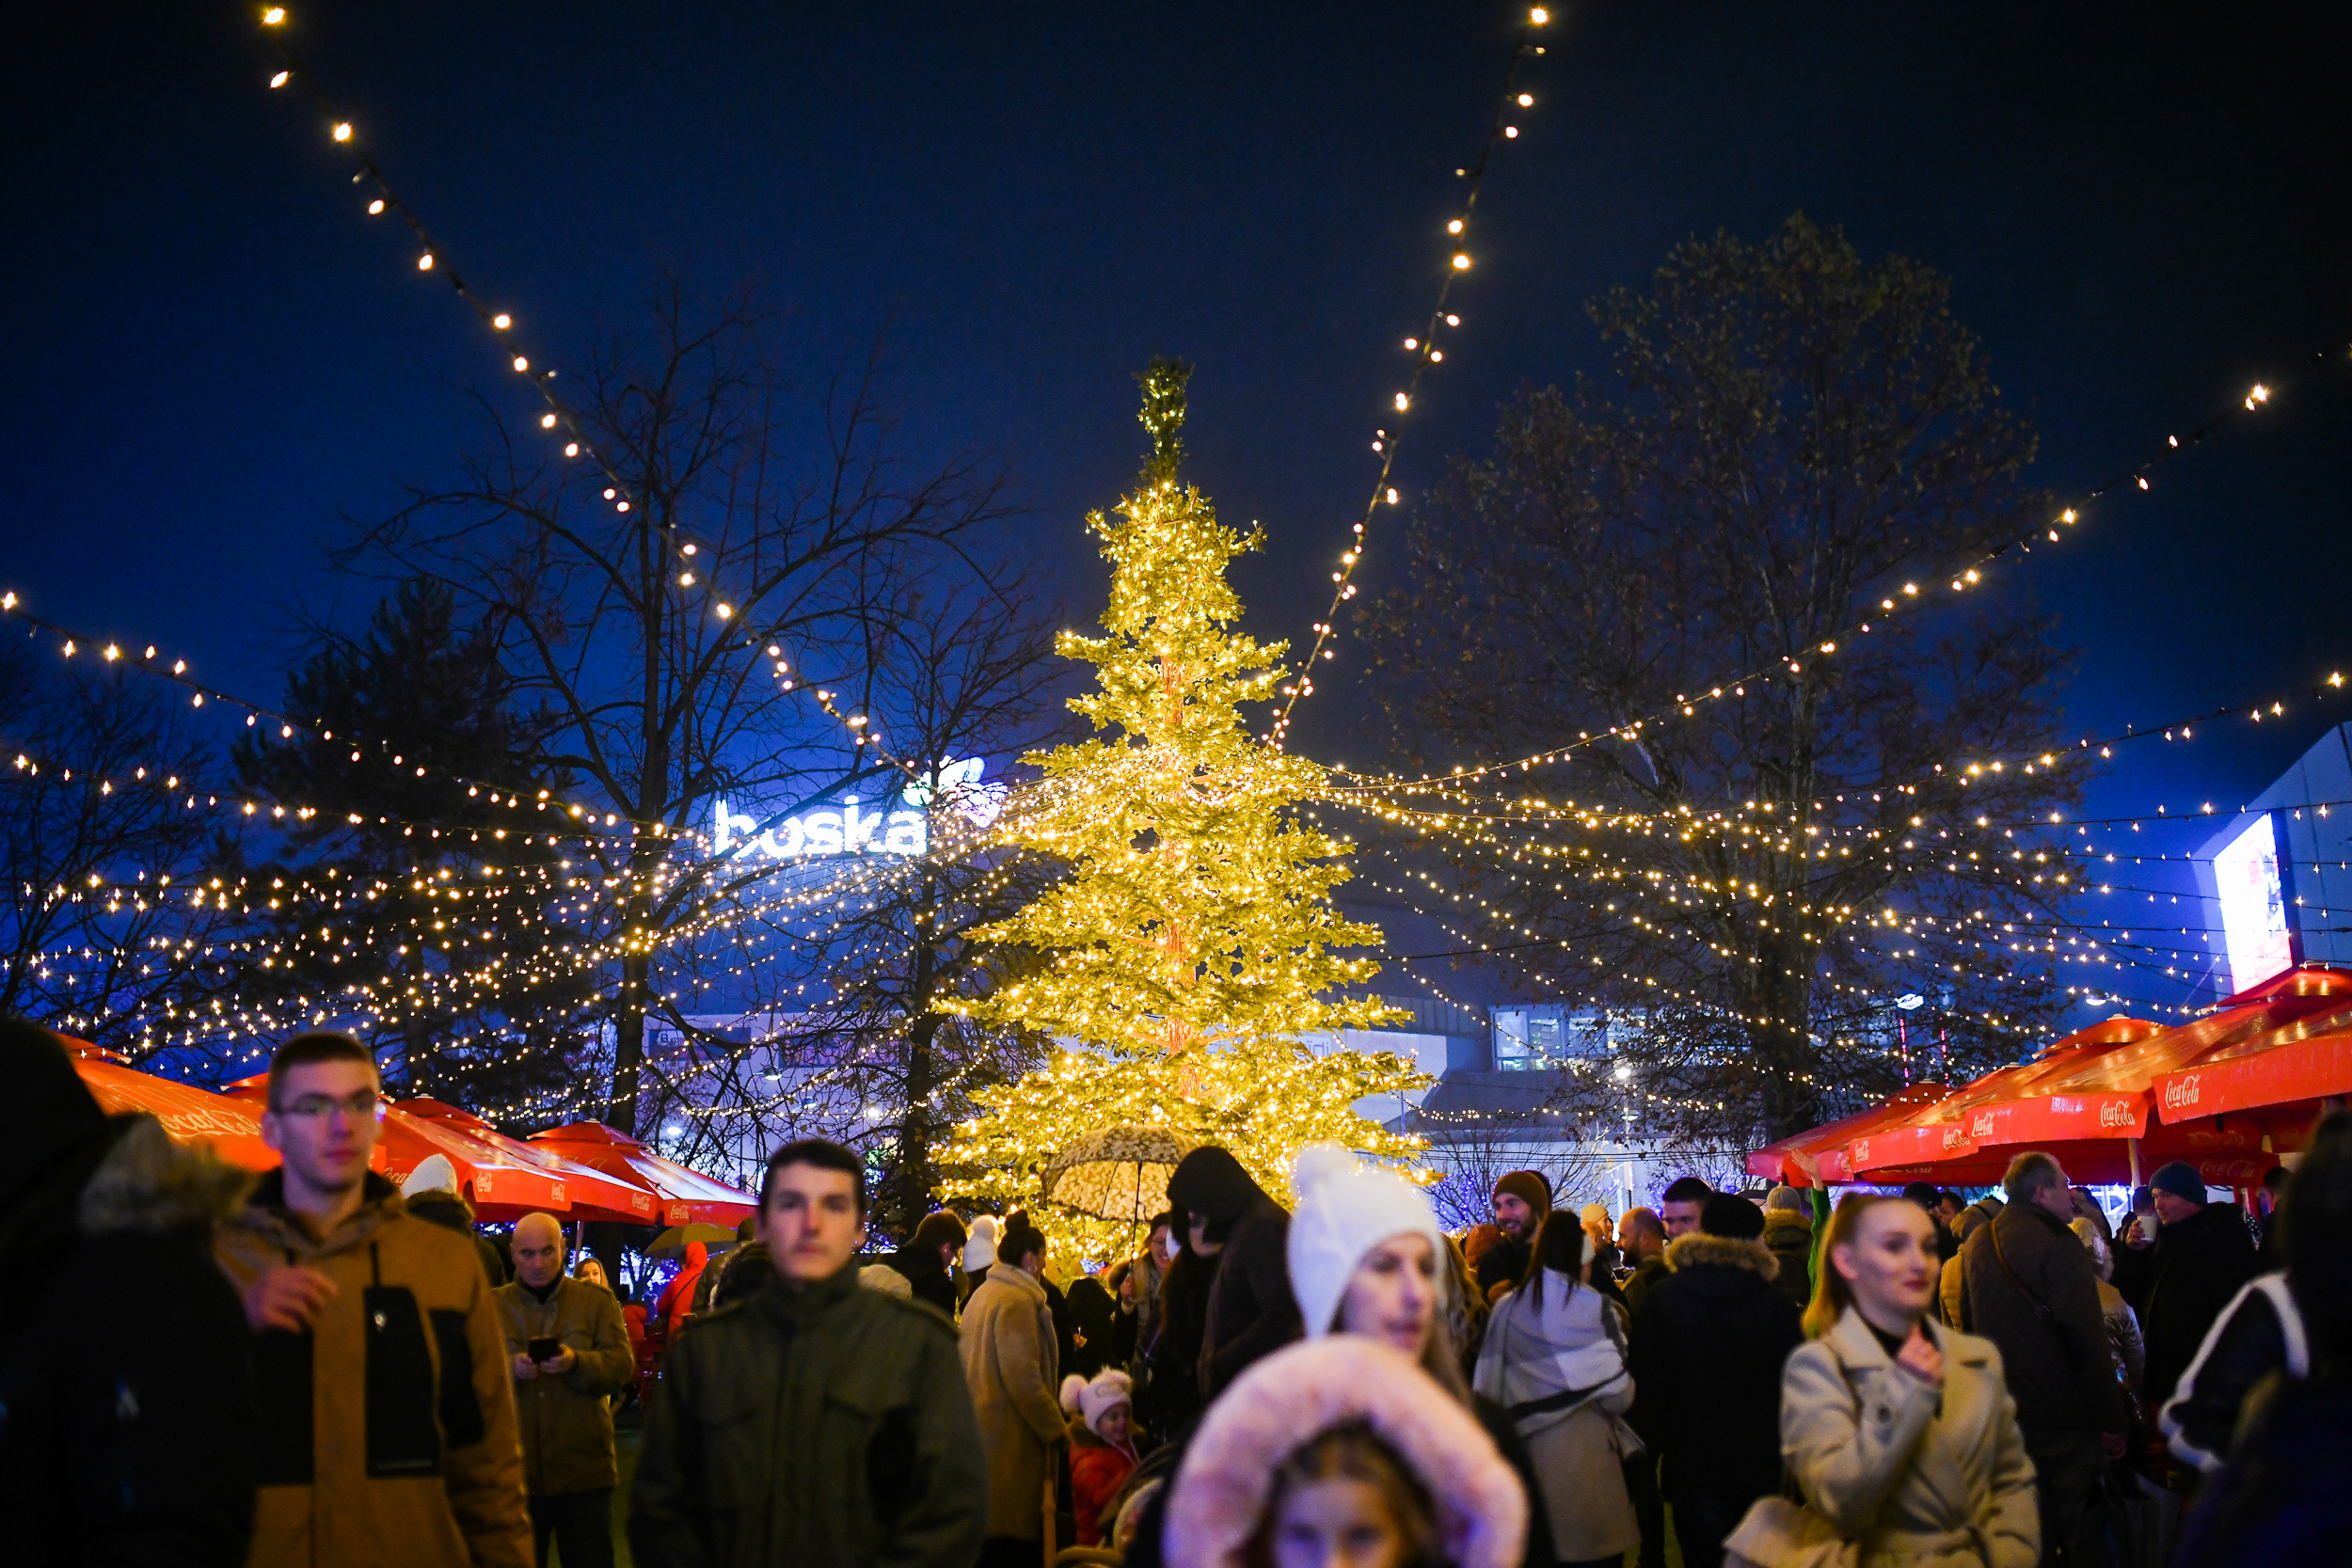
<point x="1544" y="1363"/>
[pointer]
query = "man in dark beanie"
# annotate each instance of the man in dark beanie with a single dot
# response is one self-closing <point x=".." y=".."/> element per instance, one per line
<point x="1706" y="1356"/>
<point x="1521" y="1199"/>
<point x="2203" y="1256"/>
<point x="1244" y="1233"/>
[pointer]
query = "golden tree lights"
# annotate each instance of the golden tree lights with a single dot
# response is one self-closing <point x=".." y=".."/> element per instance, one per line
<point x="1191" y="951"/>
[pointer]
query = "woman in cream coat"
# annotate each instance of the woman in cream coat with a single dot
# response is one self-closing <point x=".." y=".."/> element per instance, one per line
<point x="1900" y="1431"/>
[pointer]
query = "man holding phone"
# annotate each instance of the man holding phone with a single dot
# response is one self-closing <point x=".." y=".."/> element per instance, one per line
<point x="567" y="1349"/>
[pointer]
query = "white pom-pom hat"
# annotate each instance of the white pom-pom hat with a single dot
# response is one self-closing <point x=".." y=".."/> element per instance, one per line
<point x="979" y="1246"/>
<point x="1111" y="1389"/>
<point x="1344" y="1211"/>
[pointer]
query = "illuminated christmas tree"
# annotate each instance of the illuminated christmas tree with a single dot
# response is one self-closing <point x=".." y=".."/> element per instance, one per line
<point x="1189" y="954"/>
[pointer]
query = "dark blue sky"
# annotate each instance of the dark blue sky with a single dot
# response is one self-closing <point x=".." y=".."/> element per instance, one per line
<point x="216" y="357"/>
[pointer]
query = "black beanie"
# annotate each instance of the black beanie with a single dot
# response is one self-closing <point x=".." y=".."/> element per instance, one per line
<point x="1732" y="1217"/>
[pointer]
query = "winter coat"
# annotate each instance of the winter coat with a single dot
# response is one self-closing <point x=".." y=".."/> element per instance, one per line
<point x="2060" y="1366"/>
<point x="1216" y="1504"/>
<point x="1557" y="1369"/>
<point x="2260" y="1334"/>
<point x="2285" y="1498"/>
<point x="1007" y="1342"/>
<point x="926" y="1275"/>
<point x="1788" y="1236"/>
<point x="1920" y="1479"/>
<point x="1504" y="1263"/>
<point x="388" y="1428"/>
<point x="128" y="1427"/>
<point x="1094" y="1318"/>
<point x="566" y="1425"/>
<point x="1949" y="1290"/>
<point x="1251" y="1309"/>
<point x="1097" y="1471"/>
<point x="1148" y="1270"/>
<point x="1638" y="1285"/>
<point x="825" y="1425"/>
<point x="676" y="1303"/>
<point x="1706" y="1355"/>
<point x="2201" y="1263"/>
<point x="450" y="1212"/>
<point x="2124" y="1345"/>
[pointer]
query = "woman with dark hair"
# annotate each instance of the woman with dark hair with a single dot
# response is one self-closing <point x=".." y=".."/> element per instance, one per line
<point x="1094" y="1325"/>
<point x="1231" y="1219"/>
<point x="2283" y="1494"/>
<point x="1555" y="1361"/>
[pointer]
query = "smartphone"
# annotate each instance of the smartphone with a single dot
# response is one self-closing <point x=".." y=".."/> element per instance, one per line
<point x="545" y="1350"/>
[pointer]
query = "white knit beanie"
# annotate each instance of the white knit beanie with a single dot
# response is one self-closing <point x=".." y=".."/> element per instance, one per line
<point x="1111" y="1390"/>
<point x="980" y="1247"/>
<point x="1344" y="1211"/>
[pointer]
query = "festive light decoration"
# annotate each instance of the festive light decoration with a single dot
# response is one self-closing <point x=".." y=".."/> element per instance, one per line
<point x="1426" y="353"/>
<point x="1190" y="950"/>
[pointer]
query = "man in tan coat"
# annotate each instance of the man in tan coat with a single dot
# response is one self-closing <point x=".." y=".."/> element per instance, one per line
<point x="1012" y="1366"/>
<point x="568" y="1468"/>
<point x="388" y="1420"/>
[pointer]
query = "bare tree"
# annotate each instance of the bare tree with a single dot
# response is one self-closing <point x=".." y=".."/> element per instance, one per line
<point x="686" y="606"/>
<point x="1757" y="866"/>
<point x="100" y="932"/>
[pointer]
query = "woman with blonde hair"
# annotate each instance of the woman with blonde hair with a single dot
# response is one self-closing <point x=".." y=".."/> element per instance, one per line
<point x="1900" y="1431"/>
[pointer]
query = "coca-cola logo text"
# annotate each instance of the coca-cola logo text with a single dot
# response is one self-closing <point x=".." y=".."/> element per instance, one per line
<point x="2182" y="1093"/>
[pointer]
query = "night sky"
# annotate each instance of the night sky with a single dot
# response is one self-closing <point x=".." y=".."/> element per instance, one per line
<point x="216" y="358"/>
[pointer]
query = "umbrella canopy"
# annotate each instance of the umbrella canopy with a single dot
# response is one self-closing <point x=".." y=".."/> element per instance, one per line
<point x="2278" y="1078"/>
<point x="714" y="1237"/>
<point x="1819" y="1157"/>
<point x="190" y="1115"/>
<point x="1119" y="1173"/>
<point x="685" y="1194"/>
<point x="589" y="1194"/>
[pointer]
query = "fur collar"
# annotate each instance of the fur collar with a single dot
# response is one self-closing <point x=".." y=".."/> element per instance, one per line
<point x="151" y="1184"/>
<point x="1699" y="1250"/>
<point x="1787" y="1219"/>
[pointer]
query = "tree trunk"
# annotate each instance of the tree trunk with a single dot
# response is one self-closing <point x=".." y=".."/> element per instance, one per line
<point x="628" y="1042"/>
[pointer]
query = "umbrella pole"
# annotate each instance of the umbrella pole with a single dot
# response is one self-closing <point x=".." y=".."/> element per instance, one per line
<point x="2131" y="1147"/>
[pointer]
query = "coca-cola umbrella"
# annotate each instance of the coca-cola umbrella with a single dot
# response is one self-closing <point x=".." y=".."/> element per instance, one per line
<point x="2279" y="1080"/>
<point x="592" y="1194"/>
<point x="190" y="1115"/>
<point x="1817" y="1157"/>
<point x="1934" y="1145"/>
<point x="686" y="1197"/>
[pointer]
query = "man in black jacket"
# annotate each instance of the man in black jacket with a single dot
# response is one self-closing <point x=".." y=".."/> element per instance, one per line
<point x="927" y="1256"/>
<point x="129" y="1426"/>
<point x="1706" y="1351"/>
<point x="2027" y="1285"/>
<point x="1244" y="1232"/>
<point x="1521" y="1199"/>
<point x="2203" y="1257"/>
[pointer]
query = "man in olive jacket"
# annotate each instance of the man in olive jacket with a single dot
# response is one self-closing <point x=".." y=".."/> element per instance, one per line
<point x="387" y="1417"/>
<point x="819" y="1423"/>
<point x="2027" y="1284"/>
<point x="568" y="1468"/>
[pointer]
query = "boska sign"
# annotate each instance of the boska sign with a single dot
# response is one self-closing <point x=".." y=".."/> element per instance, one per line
<point x="851" y="829"/>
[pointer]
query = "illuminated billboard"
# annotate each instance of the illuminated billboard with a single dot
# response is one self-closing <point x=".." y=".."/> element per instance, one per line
<point x="2252" y="893"/>
<point x="846" y="830"/>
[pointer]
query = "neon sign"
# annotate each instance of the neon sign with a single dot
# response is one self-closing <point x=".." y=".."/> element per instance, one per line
<point x="849" y="829"/>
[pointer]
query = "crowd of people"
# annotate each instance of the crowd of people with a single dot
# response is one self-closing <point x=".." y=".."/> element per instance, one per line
<point x="315" y="1369"/>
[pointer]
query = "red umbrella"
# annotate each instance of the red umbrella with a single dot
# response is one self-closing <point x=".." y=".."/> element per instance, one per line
<point x="687" y="1197"/>
<point x="592" y="1194"/>
<point x="2277" y="1079"/>
<point x="1932" y="1145"/>
<point x="190" y="1115"/>
<point x="1819" y="1157"/>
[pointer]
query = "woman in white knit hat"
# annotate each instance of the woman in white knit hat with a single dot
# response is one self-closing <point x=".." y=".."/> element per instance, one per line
<point x="1367" y="1256"/>
<point x="1555" y="1361"/>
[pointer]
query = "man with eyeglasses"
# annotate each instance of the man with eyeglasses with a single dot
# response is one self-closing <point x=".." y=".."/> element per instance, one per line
<point x="389" y="1433"/>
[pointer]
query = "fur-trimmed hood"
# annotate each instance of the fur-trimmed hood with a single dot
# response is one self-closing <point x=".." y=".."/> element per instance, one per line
<point x="1786" y="1219"/>
<point x="1700" y="1250"/>
<point x="1287" y="1400"/>
<point x="148" y="1183"/>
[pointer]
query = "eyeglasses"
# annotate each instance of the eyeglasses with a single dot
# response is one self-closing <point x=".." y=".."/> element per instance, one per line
<point x="367" y="1102"/>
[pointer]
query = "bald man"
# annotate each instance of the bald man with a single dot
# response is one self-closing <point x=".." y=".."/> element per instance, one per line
<point x="567" y="1349"/>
